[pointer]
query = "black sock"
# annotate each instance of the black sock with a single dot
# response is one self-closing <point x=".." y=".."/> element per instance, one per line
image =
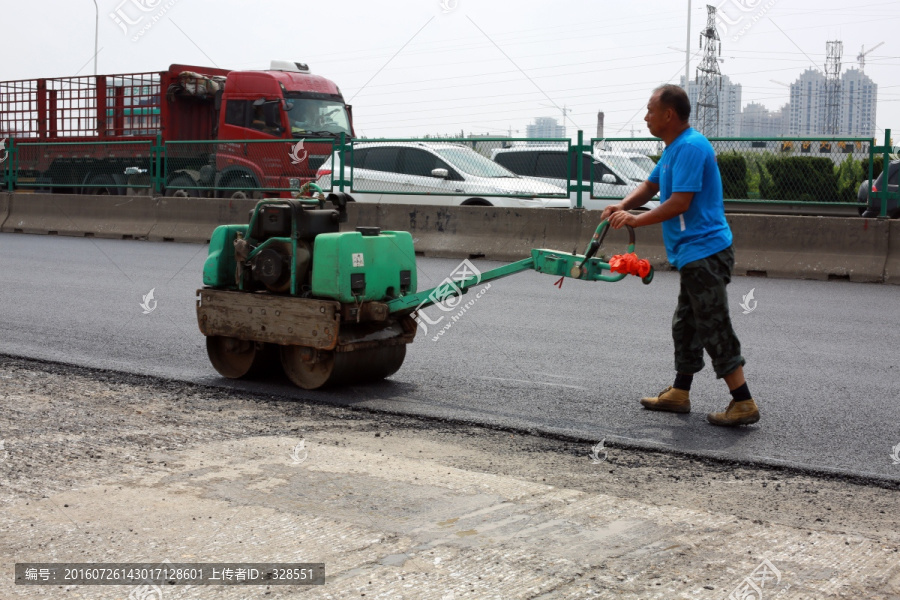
<point x="741" y="393"/>
<point x="683" y="382"/>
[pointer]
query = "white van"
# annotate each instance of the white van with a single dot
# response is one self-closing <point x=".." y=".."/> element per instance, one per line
<point x="614" y="174"/>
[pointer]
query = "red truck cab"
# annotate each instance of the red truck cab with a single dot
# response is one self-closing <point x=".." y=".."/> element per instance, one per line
<point x="286" y="102"/>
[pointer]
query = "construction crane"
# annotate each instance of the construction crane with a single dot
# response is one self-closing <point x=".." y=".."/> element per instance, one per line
<point x="861" y="57"/>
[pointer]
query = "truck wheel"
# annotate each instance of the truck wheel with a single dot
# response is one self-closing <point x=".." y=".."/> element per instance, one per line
<point x="102" y="185"/>
<point x="244" y="195"/>
<point x="248" y="188"/>
<point x="175" y="188"/>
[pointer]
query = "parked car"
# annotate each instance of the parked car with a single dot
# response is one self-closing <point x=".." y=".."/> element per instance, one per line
<point x="873" y="206"/>
<point x="614" y="174"/>
<point x="644" y="162"/>
<point x="436" y="173"/>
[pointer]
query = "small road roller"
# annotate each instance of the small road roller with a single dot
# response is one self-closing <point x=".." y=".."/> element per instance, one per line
<point x="334" y="307"/>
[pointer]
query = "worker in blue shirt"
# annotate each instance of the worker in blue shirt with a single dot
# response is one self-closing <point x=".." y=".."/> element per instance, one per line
<point x="698" y="243"/>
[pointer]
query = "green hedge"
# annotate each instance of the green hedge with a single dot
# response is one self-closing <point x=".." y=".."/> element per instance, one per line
<point x="774" y="176"/>
<point x="733" y="168"/>
<point x="878" y="165"/>
<point x="807" y="179"/>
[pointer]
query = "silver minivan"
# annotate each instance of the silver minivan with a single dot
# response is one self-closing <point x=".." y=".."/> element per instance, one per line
<point x="614" y="174"/>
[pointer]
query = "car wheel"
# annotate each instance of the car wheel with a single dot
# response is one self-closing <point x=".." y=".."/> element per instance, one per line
<point x="476" y="202"/>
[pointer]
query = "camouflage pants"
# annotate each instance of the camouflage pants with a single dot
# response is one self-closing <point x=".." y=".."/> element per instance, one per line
<point x="701" y="319"/>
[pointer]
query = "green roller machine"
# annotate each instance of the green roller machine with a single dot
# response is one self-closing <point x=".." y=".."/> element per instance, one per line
<point x="332" y="307"/>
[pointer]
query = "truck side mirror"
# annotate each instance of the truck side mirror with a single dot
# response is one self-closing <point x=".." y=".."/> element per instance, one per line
<point x="442" y="173"/>
<point x="608" y="178"/>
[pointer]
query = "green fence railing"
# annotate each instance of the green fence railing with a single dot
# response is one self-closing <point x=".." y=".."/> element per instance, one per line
<point x="553" y="172"/>
<point x="243" y="168"/>
<point x="813" y="169"/>
<point x="82" y="167"/>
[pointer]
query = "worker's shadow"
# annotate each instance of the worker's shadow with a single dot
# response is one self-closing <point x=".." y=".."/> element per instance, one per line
<point x="692" y="432"/>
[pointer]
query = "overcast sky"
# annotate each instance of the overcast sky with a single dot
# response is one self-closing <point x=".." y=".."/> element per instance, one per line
<point x="413" y="67"/>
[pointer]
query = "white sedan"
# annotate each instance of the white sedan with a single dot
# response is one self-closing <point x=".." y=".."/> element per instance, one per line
<point x="436" y="173"/>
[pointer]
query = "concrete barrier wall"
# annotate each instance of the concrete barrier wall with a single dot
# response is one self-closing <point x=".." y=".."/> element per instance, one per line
<point x="498" y="233"/>
<point x="810" y="247"/>
<point x="194" y="219"/>
<point x="137" y="217"/>
<point x="96" y="216"/>
<point x="892" y="264"/>
<point x="4" y="207"/>
<point x="775" y="246"/>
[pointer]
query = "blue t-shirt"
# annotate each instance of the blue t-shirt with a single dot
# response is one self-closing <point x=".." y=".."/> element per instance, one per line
<point x="688" y="164"/>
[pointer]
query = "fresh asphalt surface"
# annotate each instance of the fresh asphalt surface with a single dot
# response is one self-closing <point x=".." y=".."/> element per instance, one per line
<point x="822" y="357"/>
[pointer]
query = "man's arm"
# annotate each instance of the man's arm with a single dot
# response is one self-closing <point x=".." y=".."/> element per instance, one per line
<point x="639" y="196"/>
<point x="677" y="204"/>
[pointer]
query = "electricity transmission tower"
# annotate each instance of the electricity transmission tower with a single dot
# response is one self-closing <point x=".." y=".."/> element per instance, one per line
<point x="833" y="87"/>
<point x="709" y="78"/>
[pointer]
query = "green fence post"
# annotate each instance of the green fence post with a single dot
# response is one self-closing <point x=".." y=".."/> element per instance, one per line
<point x="157" y="154"/>
<point x="341" y="161"/>
<point x="886" y="170"/>
<point x="871" y="164"/>
<point x="579" y="168"/>
<point x="11" y="167"/>
<point x="6" y="165"/>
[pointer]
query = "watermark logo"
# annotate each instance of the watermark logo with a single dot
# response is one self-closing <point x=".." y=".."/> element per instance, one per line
<point x="297" y="153"/>
<point x="146" y="592"/>
<point x="895" y="456"/>
<point x="146" y="304"/>
<point x="448" y="5"/>
<point x="3" y="152"/>
<point x="299" y="453"/>
<point x="734" y="18"/>
<point x="130" y="14"/>
<point x="595" y="453"/>
<point x="447" y="296"/>
<point x="752" y="587"/>
<point x="748" y="303"/>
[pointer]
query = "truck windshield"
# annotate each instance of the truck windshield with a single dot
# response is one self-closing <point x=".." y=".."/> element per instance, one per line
<point x="311" y="117"/>
<point x="469" y="161"/>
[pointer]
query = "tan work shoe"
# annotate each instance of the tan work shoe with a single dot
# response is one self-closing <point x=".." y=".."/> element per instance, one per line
<point x="670" y="400"/>
<point x="737" y="413"/>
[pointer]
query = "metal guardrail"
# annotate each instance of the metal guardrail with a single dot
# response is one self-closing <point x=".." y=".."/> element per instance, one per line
<point x="817" y="175"/>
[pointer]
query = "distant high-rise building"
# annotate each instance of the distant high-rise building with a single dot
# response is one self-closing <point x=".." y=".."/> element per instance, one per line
<point x="858" y="100"/>
<point x="759" y="121"/>
<point x="729" y="106"/>
<point x="545" y="127"/>
<point x="808" y="104"/>
<point x="856" y="110"/>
